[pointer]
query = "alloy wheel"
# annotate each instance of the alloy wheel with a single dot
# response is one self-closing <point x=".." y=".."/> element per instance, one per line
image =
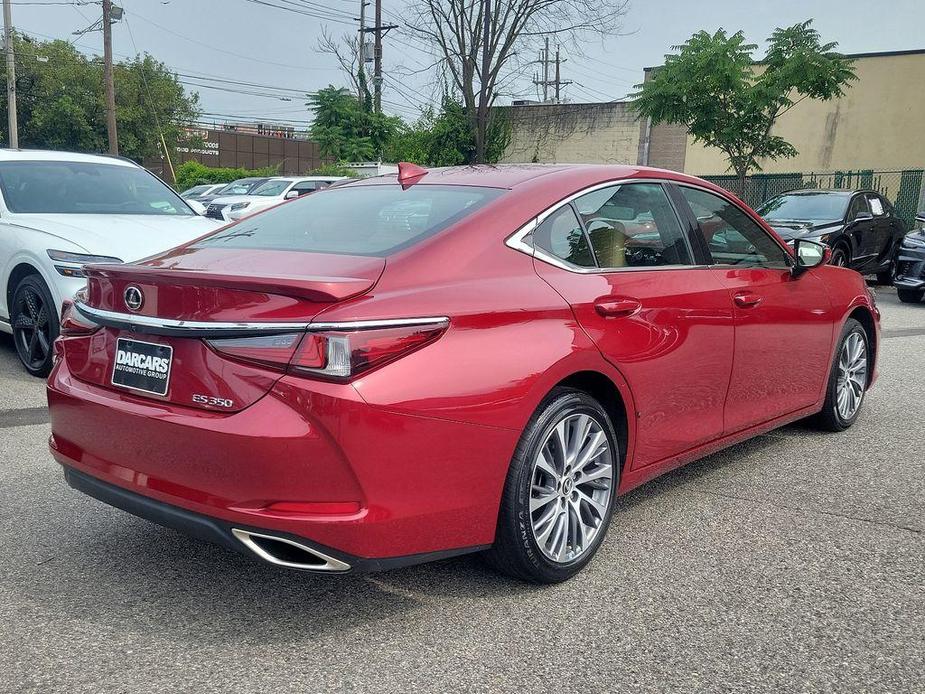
<point x="571" y="486"/>
<point x="852" y="376"/>
<point x="31" y="328"/>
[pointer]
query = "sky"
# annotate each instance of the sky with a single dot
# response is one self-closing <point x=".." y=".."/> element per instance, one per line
<point x="250" y="61"/>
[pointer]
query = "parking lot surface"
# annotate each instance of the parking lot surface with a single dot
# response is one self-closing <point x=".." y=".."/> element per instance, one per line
<point x="795" y="561"/>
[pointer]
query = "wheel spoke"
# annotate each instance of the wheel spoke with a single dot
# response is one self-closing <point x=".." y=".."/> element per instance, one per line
<point x="599" y="508"/>
<point x="598" y="472"/>
<point x="543" y="463"/>
<point x="596" y="444"/>
<point x="543" y="496"/>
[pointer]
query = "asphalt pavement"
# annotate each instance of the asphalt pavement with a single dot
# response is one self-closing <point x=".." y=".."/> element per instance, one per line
<point x="792" y="562"/>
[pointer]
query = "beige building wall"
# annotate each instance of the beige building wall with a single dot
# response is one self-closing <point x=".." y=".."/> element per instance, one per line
<point x="571" y="133"/>
<point x="878" y="124"/>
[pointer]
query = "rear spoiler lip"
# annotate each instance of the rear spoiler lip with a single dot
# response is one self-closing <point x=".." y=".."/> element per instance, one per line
<point x="310" y="287"/>
<point x="172" y="327"/>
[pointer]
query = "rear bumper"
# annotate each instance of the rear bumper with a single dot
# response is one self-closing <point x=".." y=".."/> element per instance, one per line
<point x="222" y="533"/>
<point x="413" y="486"/>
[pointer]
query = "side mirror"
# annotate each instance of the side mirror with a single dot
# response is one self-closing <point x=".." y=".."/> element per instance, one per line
<point x="862" y="215"/>
<point x="809" y="254"/>
<point x="291" y="195"/>
<point x="197" y="206"/>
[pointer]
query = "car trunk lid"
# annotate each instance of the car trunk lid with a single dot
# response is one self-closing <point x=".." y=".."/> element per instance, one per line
<point x="157" y="317"/>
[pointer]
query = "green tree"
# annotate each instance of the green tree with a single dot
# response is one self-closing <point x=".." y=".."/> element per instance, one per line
<point x="61" y="101"/>
<point x="446" y="138"/>
<point x="713" y="87"/>
<point x="345" y="129"/>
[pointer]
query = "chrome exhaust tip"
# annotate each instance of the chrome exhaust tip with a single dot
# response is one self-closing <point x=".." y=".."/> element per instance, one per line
<point x="289" y="553"/>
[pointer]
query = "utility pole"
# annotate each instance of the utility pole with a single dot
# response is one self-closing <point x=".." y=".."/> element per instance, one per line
<point x="377" y="55"/>
<point x="10" y="75"/>
<point x="107" y="77"/>
<point x="546" y="72"/>
<point x="546" y="82"/>
<point x="379" y="31"/>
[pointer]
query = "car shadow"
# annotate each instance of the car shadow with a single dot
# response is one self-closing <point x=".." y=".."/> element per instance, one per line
<point x="129" y="574"/>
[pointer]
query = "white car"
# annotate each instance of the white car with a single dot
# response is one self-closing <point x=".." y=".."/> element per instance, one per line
<point x="273" y="192"/>
<point x="60" y="211"/>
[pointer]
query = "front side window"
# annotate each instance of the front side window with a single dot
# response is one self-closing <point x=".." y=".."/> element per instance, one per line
<point x="857" y="206"/>
<point x="562" y="235"/>
<point x="371" y="220"/>
<point x="633" y="225"/>
<point x="733" y="238"/>
<point x="62" y="187"/>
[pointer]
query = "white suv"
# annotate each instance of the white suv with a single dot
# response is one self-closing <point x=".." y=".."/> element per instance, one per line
<point x="60" y="211"/>
<point x="273" y="192"/>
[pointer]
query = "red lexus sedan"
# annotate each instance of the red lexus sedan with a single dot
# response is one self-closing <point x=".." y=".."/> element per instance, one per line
<point x="449" y="361"/>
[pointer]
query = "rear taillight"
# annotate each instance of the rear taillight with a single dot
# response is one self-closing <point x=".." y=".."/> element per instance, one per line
<point x="334" y="353"/>
<point x="73" y="324"/>
<point x="273" y="351"/>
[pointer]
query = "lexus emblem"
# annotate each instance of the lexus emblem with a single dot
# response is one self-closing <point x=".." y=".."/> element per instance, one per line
<point x="134" y="299"/>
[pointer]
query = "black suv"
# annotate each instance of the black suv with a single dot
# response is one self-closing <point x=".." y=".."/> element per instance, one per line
<point x="910" y="264"/>
<point x="859" y="225"/>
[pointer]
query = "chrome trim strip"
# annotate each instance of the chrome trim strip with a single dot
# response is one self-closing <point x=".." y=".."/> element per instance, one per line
<point x="330" y="563"/>
<point x="516" y="240"/>
<point x="382" y="323"/>
<point x="170" y="326"/>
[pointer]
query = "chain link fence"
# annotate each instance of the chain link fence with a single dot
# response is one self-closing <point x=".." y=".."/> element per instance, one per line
<point x="905" y="189"/>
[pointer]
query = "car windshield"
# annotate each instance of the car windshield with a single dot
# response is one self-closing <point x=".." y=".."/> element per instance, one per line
<point x="373" y="220"/>
<point x="61" y="187"/>
<point x="273" y="187"/>
<point x="806" y="206"/>
<point x="195" y="190"/>
<point x="241" y="187"/>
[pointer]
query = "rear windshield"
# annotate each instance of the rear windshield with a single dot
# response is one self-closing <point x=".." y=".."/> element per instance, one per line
<point x="62" y="187"/>
<point x="356" y="220"/>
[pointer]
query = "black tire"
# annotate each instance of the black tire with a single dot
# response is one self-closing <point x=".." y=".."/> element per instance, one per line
<point x="840" y="257"/>
<point x="886" y="276"/>
<point x="829" y="418"/>
<point x="909" y="296"/>
<point x="34" y="319"/>
<point x="515" y="551"/>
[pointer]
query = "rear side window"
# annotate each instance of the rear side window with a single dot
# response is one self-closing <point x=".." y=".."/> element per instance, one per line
<point x="372" y="220"/>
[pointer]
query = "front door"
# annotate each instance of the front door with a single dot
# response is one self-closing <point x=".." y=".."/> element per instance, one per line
<point x="619" y="257"/>
<point x="783" y="325"/>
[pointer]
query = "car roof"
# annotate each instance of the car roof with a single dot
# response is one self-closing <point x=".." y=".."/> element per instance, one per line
<point x="50" y="155"/>
<point x="826" y="191"/>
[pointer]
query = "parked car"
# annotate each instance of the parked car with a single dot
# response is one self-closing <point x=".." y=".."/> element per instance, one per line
<point x="59" y="211"/>
<point x="909" y="279"/>
<point x="241" y="186"/>
<point x="202" y="191"/>
<point x="271" y="192"/>
<point x="396" y="370"/>
<point x="860" y="226"/>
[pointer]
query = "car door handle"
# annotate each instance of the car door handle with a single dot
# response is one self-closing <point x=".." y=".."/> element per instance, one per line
<point x="616" y="306"/>
<point x="746" y="299"/>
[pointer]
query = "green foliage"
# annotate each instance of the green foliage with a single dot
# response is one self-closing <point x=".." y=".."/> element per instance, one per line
<point x="61" y="101"/>
<point x="192" y="173"/>
<point x="446" y="138"/>
<point x="333" y="170"/>
<point x="712" y="86"/>
<point x="345" y="129"/>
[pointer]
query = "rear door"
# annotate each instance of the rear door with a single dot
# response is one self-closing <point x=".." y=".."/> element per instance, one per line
<point x="883" y="232"/>
<point x="619" y="256"/>
<point x="860" y="228"/>
<point x="783" y="325"/>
